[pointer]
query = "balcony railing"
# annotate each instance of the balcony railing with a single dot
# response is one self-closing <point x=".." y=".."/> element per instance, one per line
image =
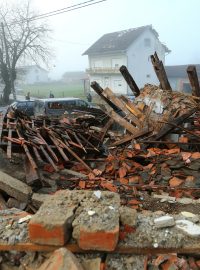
<point x="103" y="70"/>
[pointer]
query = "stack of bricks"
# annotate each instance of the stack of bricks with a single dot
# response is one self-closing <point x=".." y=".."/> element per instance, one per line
<point x="92" y="216"/>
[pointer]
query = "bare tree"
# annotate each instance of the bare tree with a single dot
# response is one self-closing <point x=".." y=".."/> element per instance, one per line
<point x="21" y="37"/>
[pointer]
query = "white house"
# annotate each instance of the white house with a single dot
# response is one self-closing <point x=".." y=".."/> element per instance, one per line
<point x="31" y="74"/>
<point x="131" y="48"/>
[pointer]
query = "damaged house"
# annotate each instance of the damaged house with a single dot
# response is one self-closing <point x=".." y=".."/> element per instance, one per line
<point x="132" y="48"/>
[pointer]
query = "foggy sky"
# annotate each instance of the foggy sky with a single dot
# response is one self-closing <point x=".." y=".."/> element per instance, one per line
<point x="176" y="21"/>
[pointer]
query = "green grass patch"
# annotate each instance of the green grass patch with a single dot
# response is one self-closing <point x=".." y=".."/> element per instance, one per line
<point x="58" y="89"/>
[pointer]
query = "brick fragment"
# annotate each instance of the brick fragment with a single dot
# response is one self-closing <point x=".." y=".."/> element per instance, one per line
<point x="98" y="240"/>
<point x="61" y="259"/>
<point x="51" y="225"/>
<point x="96" y="226"/>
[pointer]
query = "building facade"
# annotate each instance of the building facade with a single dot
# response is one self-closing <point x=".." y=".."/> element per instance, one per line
<point x="131" y="48"/>
<point x="31" y="75"/>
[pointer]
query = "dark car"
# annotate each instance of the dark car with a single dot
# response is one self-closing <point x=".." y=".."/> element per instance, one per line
<point x="58" y="106"/>
<point x="25" y="106"/>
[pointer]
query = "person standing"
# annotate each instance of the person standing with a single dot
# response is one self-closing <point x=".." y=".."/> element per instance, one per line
<point x="89" y="97"/>
<point x="28" y="96"/>
<point x="51" y="95"/>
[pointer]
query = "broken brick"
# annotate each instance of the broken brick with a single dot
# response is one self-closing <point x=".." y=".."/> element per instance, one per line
<point x="98" y="240"/>
<point x="51" y="225"/>
<point x="61" y="259"/>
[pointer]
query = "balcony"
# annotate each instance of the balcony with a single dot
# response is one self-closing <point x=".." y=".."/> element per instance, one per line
<point x="106" y="70"/>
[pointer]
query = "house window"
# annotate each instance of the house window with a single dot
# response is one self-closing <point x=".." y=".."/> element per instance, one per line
<point x="147" y="42"/>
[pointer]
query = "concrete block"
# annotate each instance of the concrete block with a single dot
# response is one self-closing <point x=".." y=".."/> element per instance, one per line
<point x="38" y="199"/>
<point x="14" y="187"/>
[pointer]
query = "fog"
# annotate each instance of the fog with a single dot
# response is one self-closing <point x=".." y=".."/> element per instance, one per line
<point x="177" y="23"/>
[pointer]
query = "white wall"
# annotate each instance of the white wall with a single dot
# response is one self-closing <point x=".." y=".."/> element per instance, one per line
<point x="35" y="74"/>
<point x="139" y="62"/>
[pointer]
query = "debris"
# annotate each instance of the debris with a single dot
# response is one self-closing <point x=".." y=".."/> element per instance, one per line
<point x="128" y="216"/>
<point x="190" y="216"/>
<point x="164" y="221"/>
<point x="61" y="259"/>
<point x="188" y="227"/>
<point x="52" y="223"/>
<point x="15" y="188"/>
<point x="131" y="190"/>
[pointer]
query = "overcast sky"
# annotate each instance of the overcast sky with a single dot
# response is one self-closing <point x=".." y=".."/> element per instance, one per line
<point x="176" y="21"/>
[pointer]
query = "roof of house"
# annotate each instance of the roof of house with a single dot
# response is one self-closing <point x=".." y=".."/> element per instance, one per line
<point x="119" y="41"/>
<point x="180" y="71"/>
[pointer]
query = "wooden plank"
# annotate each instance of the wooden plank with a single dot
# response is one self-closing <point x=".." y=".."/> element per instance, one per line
<point x="97" y="88"/>
<point x="132" y="108"/>
<point x="74" y="155"/>
<point x="122" y="122"/>
<point x="31" y="173"/>
<point x="105" y="129"/>
<point x="74" y="248"/>
<point x="193" y="78"/>
<point x="120" y="104"/>
<point x="48" y="158"/>
<point x="128" y="138"/>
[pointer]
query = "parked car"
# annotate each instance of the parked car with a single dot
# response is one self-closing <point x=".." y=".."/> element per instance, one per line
<point x="58" y="106"/>
<point x="25" y="106"/>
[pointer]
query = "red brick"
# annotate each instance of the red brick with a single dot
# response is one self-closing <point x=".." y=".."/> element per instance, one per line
<point x="40" y="234"/>
<point x="98" y="240"/>
<point x="51" y="225"/>
<point x="61" y="259"/>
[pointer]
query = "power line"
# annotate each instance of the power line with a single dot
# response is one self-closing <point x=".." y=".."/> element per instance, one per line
<point x="62" y="9"/>
<point x="67" y="9"/>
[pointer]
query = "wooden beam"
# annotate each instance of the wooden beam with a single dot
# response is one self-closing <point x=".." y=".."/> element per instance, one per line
<point x="128" y="138"/>
<point x="193" y="78"/>
<point x="97" y="88"/>
<point x="160" y="72"/>
<point x="122" y="105"/>
<point x="74" y="248"/>
<point x="130" y="81"/>
<point x="122" y="122"/>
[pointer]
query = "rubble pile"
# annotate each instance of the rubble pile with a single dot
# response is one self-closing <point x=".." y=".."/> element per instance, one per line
<point x="124" y="181"/>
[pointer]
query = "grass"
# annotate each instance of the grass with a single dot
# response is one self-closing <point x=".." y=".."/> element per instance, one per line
<point x="58" y="89"/>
